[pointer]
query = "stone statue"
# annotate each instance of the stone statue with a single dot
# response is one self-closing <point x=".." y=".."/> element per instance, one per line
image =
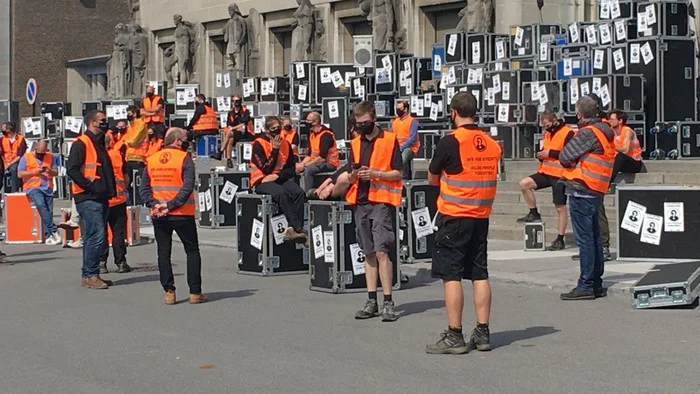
<point x="320" y="38"/>
<point x="388" y="33"/>
<point x="236" y="36"/>
<point x="169" y="61"/>
<point x="138" y="48"/>
<point x="476" y="17"/>
<point x="119" y="64"/>
<point x="254" y="24"/>
<point x="304" y="26"/>
<point x="186" y="44"/>
<point x="133" y="8"/>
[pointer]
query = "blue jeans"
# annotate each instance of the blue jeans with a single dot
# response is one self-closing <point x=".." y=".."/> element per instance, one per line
<point x="407" y="159"/>
<point x="584" y="218"/>
<point x="94" y="215"/>
<point x="44" y="204"/>
<point x="15" y="182"/>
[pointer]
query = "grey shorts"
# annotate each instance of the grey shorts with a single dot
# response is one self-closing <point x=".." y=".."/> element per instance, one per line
<point x="374" y="227"/>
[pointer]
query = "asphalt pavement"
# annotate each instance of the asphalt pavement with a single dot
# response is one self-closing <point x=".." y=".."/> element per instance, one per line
<point x="273" y="335"/>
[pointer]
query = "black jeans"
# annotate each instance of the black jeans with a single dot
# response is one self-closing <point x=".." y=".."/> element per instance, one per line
<point x="116" y="220"/>
<point x="131" y="197"/>
<point x="186" y="229"/>
<point x="626" y="165"/>
<point x="289" y="197"/>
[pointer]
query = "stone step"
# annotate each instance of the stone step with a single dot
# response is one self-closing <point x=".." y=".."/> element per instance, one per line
<point x="549" y="221"/>
<point x="546" y="210"/>
<point x="653" y="166"/>
<point x="649" y="178"/>
<point x="510" y="233"/>
<point x="542" y="197"/>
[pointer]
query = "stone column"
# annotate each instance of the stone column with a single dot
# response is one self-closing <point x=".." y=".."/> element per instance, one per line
<point x="508" y="13"/>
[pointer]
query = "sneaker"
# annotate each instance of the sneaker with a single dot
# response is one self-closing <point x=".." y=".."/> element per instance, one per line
<point x="607" y="256"/>
<point x="123" y="268"/>
<point x="450" y="342"/>
<point x="53" y="239"/>
<point x="103" y="267"/>
<point x="94" y="282"/>
<point x="75" y="244"/>
<point x="530" y="217"/>
<point x="389" y="312"/>
<point x="600" y="293"/>
<point x="170" y="297"/>
<point x="371" y="309"/>
<point x="480" y="339"/>
<point x="557" y="245"/>
<point x="215" y="156"/>
<point x="198" y="298"/>
<point x="69" y="225"/>
<point x="578" y="294"/>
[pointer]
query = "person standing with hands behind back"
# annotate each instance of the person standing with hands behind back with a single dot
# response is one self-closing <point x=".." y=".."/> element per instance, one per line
<point x="374" y="194"/>
<point x="465" y="166"/>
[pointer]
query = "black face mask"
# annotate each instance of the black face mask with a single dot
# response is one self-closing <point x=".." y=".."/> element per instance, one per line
<point x="400" y="112"/>
<point x="121" y="130"/>
<point x="151" y="136"/>
<point x="552" y="128"/>
<point x="149" y="94"/>
<point x="237" y="103"/>
<point x="185" y="145"/>
<point x="365" y="128"/>
<point x="104" y="126"/>
<point x="130" y="117"/>
<point x="288" y="127"/>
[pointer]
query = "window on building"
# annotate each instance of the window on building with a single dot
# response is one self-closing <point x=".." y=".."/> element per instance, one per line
<point x="440" y="19"/>
<point x="282" y="47"/>
<point x="350" y="27"/>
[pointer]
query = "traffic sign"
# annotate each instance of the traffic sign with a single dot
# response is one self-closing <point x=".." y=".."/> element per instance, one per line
<point x="31" y="91"/>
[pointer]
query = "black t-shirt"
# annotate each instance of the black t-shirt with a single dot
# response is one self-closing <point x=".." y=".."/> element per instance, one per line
<point x="446" y="156"/>
<point x="327" y="142"/>
<point x="266" y="163"/>
<point x="235" y="118"/>
<point x="366" y="148"/>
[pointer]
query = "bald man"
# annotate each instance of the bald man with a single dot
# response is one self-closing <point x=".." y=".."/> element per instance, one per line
<point x="323" y="153"/>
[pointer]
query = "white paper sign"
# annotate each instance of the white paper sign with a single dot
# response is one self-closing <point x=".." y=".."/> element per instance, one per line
<point x="518" y="37"/>
<point x="452" y="44"/>
<point x="264" y="89"/>
<point x="615" y="11"/>
<point x="451" y="76"/>
<point x="596" y="85"/>
<point x="337" y="79"/>
<point x="433" y="111"/>
<point x="471" y="76"/>
<point x="544" y="51"/>
<point x="301" y="94"/>
<point x="407" y="67"/>
<point x="247" y="151"/>
<point x="427" y="99"/>
<point x="534" y="90"/>
<point x="620" y="30"/>
<point x="181" y="98"/>
<point x="202" y="202"/>
<point x="651" y="15"/>
<point x="505" y="91"/>
<point x="279" y="225"/>
<point x="348" y="77"/>
<point x="259" y="125"/>
<point x="618" y="59"/>
<point x="476" y="52"/>
<point x="605" y="11"/>
<point x="317" y="239"/>
<point x="223" y="103"/>
<point x="386" y="61"/>
<point x="227" y="80"/>
<point x="325" y="75"/>
<point x="605" y="36"/>
<point x="632" y="220"/>
<point x="574" y="33"/>
<point x="585" y="89"/>
<point x="651" y="229"/>
<point x="207" y="199"/>
<point x="496" y="80"/>
<point x="421" y="222"/>
<point x="333" y="109"/>
<point x="543" y="95"/>
<point x="271" y="85"/>
<point x="74" y="124"/>
<point x="674" y="217"/>
<point x="300" y="70"/>
<point x="590" y="35"/>
<point x="414" y="104"/>
<point x="256" y="234"/>
<point x="358" y="259"/>
<point x="634" y="53"/>
<point x="647" y="55"/>
<point x="420" y="107"/>
<point x="568" y="71"/>
<point x="501" y="49"/>
<point x="598" y="57"/>
<point x="218" y="80"/>
<point x="503" y="113"/>
<point x="642" y="22"/>
<point x="437" y="63"/>
<point x="328" y="247"/>
<point x="228" y="192"/>
<point x="604" y="93"/>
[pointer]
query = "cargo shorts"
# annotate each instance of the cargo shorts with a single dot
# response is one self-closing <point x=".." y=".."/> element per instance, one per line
<point x="374" y="227"/>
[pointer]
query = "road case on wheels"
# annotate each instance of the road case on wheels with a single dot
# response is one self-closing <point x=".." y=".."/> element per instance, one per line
<point x="416" y="217"/>
<point x="217" y="192"/>
<point x="337" y="264"/>
<point x="667" y="285"/>
<point x="261" y="250"/>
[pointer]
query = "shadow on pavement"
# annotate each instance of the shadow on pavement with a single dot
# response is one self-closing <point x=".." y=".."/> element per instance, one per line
<point x="222" y="295"/>
<point x="505" y="338"/>
<point x="421" y="278"/>
<point x="33" y="252"/>
<point x="139" y="279"/>
<point x="34" y="260"/>
<point x="414" y="308"/>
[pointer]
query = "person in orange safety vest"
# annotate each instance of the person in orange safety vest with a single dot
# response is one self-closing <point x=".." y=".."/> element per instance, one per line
<point x="629" y="157"/>
<point x="323" y="151"/>
<point x="406" y="129"/>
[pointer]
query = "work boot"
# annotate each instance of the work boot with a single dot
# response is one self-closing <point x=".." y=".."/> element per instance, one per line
<point x="94" y="282"/>
<point x="229" y="163"/>
<point x="296" y="236"/>
<point x="216" y="156"/>
<point x="170" y="297"/>
<point x="480" y="339"/>
<point x="607" y="256"/>
<point x="108" y="282"/>
<point x="450" y="342"/>
<point x="600" y="293"/>
<point x="371" y="309"/>
<point x="123" y="268"/>
<point x="578" y="294"/>
<point x="530" y="217"/>
<point x="558" y="244"/>
<point x="198" y="298"/>
<point x="389" y="312"/>
<point x="103" y="267"/>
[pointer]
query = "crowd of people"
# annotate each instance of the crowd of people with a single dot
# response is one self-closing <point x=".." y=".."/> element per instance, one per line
<point x="578" y="165"/>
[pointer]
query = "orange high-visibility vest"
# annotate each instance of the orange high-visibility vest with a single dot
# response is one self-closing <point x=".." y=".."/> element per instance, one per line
<point x="10" y="150"/>
<point x="250" y="127"/>
<point x="165" y="172"/>
<point x="289" y="136"/>
<point x="594" y="170"/>
<point x="332" y="157"/>
<point x="117" y="138"/>
<point x="34" y="181"/>
<point x="635" y="151"/>
<point x="402" y="128"/>
<point x="149" y="104"/>
<point x="380" y="191"/>
<point x="154" y="146"/>
<point x="470" y="193"/>
<point x="118" y="164"/>
<point x="89" y="167"/>
<point x="207" y="120"/>
<point x="551" y="166"/>
<point x="256" y="174"/>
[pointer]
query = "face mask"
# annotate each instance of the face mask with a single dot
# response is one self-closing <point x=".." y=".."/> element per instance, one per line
<point x="149" y="94"/>
<point x="121" y="130"/>
<point x="130" y="117"/>
<point x="400" y="112"/>
<point x="275" y="131"/>
<point x="151" y="135"/>
<point x="237" y="103"/>
<point x="365" y="128"/>
<point x="185" y="145"/>
<point x="104" y="126"/>
<point x="288" y="127"/>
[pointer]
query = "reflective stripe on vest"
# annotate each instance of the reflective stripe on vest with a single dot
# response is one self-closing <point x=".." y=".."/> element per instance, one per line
<point x="149" y="104"/>
<point x="89" y="167"/>
<point x="635" y="149"/>
<point x="380" y="191"/>
<point x="256" y="174"/>
<point x="471" y="193"/>
<point x="551" y="166"/>
<point x="207" y="121"/>
<point x="10" y="150"/>
<point x="118" y="166"/>
<point x="402" y="129"/>
<point x="34" y="181"/>
<point x="165" y="173"/>
<point x="332" y="156"/>
<point x="594" y="170"/>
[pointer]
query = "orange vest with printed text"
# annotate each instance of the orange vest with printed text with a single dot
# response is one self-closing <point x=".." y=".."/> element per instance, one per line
<point x="89" y="167"/>
<point x="470" y="193"/>
<point x="34" y="181"/>
<point x="165" y="173"/>
<point x="402" y="128"/>
<point x="380" y="191"/>
<point x="594" y="170"/>
<point x="551" y="166"/>
<point x="256" y="174"/>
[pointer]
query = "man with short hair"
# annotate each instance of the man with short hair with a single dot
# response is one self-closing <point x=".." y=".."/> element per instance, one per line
<point x="204" y="121"/>
<point x="117" y="135"/>
<point x="323" y="152"/>
<point x="557" y="134"/>
<point x="90" y="169"/>
<point x="375" y="193"/>
<point x="588" y="161"/>
<point x="167" y="188"/>
<point x="239" y="127"/>
<point x="153" y="111"/>
<point x="116" y="218"/>
<point x="136" y="142"/>
<point x="37" y="170"/>
<point x="13" y="147"/>
<point x="406" y="129"/>
<point x="465" y="166"/>
<point x="629" y="151"/>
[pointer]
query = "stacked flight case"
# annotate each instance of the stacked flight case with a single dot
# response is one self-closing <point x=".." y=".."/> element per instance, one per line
<point x="217" y="192"/>
<point x="416" y="216"/>
<point x="336" y="260"/>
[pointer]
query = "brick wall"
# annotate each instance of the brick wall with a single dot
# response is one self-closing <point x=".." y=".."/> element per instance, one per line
<point x="48" y="33"/>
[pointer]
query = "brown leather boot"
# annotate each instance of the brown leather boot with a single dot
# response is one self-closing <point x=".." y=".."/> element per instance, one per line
<point x="107" y="282"/>
<point x="94" y="282"/>
<point x="170" y="297"/>
<point x="197" y="298"/>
